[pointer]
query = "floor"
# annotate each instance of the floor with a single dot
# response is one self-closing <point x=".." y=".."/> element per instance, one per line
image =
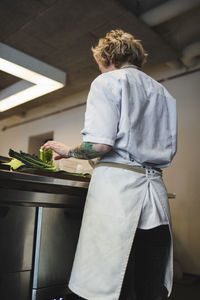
<point x="186" y="289"/>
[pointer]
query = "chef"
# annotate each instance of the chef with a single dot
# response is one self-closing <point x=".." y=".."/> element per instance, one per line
<point x="125" y="247"/>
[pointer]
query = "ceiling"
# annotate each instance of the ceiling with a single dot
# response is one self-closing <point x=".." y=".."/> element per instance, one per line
<point x="61" y="33"/>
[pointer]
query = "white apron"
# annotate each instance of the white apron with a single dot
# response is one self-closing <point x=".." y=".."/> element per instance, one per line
<point x="112" y="211"/>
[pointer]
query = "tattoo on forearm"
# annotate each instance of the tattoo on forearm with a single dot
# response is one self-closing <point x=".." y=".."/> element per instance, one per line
<point x="85" y="151"/>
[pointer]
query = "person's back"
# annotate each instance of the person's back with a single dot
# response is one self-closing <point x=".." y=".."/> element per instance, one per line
<point x="146" y="116"/>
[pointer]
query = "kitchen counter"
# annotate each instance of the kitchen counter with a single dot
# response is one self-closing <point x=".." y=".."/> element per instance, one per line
<point x="40" y="219"/>
<point x="66" y="189"/>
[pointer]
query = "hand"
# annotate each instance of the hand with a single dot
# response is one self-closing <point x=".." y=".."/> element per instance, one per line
<point x="61" y="149"/>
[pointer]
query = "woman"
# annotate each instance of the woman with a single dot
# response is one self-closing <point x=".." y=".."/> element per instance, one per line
<point x="125" y="248"/>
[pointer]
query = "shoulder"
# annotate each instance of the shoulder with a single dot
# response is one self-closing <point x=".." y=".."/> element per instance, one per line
<point x="105" y="78"/>
<point x="108" y="84"/>
<point x="153" y="85"/>
<point x="161" y="89"/>
<point x="108" y="79"/>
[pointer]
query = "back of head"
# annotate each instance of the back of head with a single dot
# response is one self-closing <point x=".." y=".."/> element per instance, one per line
<point x="119" y="47"/>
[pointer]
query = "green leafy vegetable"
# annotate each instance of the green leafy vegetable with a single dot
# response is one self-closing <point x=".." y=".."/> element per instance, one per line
<point x="32" y="161"/>
<point x="22" y="161"/>
<point x="14" y="164"/>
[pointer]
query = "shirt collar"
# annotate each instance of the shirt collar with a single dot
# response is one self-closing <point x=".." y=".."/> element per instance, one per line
<point x="129" y="66"/>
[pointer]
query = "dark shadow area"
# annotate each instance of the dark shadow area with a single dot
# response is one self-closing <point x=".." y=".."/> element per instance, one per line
<point x="188" y="288"/>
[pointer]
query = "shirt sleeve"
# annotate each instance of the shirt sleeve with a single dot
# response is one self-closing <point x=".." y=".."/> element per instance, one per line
<point x="102" y="114"/>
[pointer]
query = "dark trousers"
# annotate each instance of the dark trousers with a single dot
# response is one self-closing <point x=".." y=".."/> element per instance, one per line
<point x="145" y="271"/>
<point x="146" y="266"/>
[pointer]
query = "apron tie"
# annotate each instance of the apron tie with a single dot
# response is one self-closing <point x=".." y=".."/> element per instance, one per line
<point x="143" y="170"/>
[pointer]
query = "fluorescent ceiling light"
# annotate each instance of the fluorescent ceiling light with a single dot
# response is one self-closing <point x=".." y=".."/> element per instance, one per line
<point x="38" y="78"/>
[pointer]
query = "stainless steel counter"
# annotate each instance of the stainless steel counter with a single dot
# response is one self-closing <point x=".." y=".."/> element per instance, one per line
<point x="35" y="190"/>
<point x="43" y="183"/>
<point x="40" y="219"/>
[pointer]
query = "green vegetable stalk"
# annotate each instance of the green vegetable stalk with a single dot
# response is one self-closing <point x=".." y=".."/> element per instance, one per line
<point x="47" y="156"/>
<point x="31" y="161"/>
<point x="23" y="161"/>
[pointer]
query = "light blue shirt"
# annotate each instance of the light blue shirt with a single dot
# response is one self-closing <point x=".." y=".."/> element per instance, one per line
<point x="134" y="114"/>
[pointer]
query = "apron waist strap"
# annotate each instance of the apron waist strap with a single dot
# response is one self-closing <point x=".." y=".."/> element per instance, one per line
<point x="127" y="167"/>
<point x="122" y="166"/>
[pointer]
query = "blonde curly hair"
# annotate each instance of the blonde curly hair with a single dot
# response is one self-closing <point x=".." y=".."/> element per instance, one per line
<point x="119" y="47"/>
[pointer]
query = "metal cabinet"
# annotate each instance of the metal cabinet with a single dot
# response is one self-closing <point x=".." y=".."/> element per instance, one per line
<point x="40" y="219"/>
<point x="17" y="225"/>
<point x="15" y="286"/>
<point x="57" y="236"/>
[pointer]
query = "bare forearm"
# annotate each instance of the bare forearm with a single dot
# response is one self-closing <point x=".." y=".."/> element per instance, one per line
<point x="89" y="150"/>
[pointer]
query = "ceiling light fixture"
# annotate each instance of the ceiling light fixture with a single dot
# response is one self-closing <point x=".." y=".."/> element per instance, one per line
<point x="38" y="78"/>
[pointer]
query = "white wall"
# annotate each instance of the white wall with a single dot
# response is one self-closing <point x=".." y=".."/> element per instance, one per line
<point x="65" y="125"/>
<point x="181" y="178"/>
